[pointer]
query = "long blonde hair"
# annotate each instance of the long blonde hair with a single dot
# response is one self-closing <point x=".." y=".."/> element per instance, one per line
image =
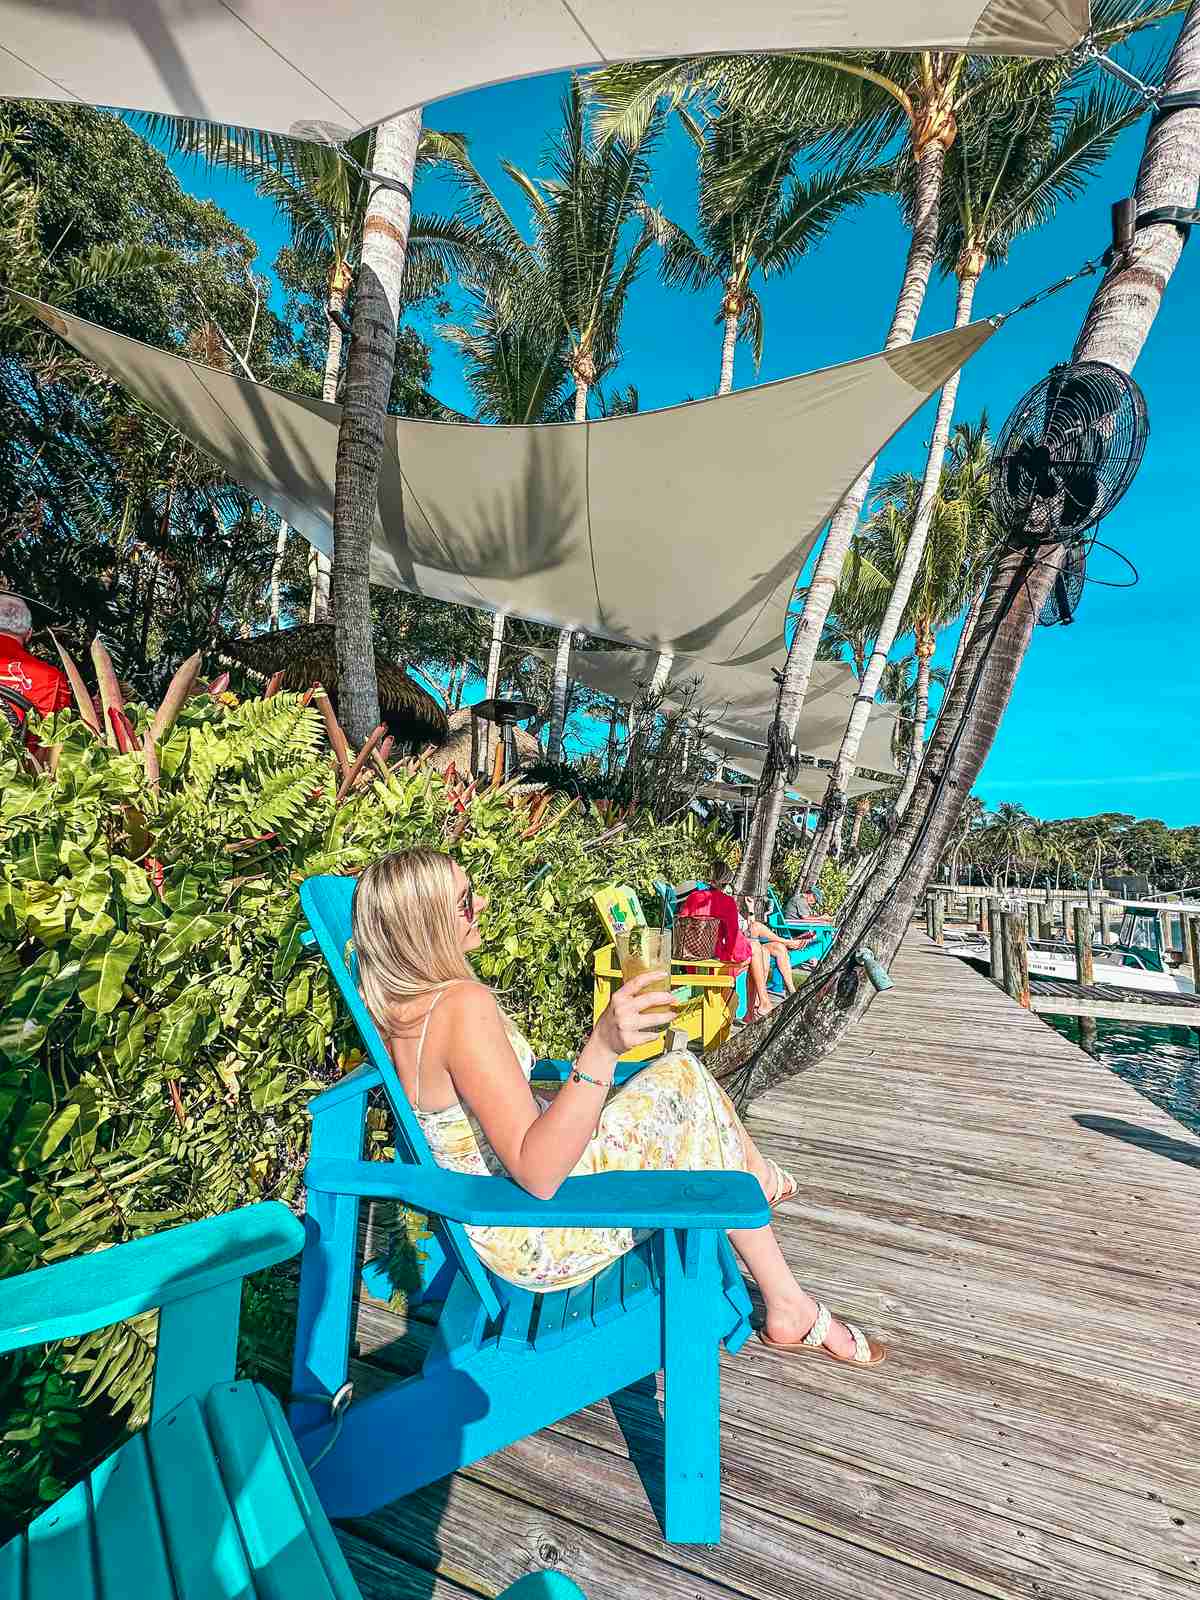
<point x="405" y="924"/>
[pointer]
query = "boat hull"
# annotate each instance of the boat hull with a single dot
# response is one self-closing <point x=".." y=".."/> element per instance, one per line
<point x="1052" y="964"/>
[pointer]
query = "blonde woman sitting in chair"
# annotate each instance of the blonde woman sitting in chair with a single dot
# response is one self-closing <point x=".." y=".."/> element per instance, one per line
<point x="466" y="1070"/>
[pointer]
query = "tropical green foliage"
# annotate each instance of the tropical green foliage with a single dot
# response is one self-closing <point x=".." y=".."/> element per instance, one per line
<point x="161" y="1029"/>
<point x="1011" y="846"/>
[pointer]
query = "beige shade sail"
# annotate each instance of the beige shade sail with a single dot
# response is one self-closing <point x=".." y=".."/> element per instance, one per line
<point x="682" y="529"/>
<point x="874" y="753"/>
<point x="809" y="789"/>
<point x="329" y="68"/>
<point x="738" y="701"/>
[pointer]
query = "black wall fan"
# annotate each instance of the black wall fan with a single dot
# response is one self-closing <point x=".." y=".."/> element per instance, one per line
<point x="1068" y="453"/>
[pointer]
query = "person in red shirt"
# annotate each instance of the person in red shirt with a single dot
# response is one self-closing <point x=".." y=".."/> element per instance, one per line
<point x="733" y="943"/>
<point x="36" y="683"/>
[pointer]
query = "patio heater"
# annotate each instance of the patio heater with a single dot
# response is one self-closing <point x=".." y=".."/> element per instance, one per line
<point x="506" y="714"/>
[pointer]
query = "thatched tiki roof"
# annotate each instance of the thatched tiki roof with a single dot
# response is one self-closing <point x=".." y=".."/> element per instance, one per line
<point x="306" y="655"/>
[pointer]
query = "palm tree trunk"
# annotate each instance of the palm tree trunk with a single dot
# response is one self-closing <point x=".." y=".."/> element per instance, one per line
<point x="458" y="682"/>
<point x="610" y="754"/>
<point x="728" y="350"/>
<point x="558" y="714"/>
<point x="581" y="400"/>
<point x="1115" y="329"/>
<point x="320" y="568"/>
<point x="277" y="571"/>
<point x="369" y="369"/>
<point x="969" y="621"/>
<point x="768" y="806"/>
<point x="492" y="684"/>
<point x="926" y="643"/>
<point x="843" y="767"/>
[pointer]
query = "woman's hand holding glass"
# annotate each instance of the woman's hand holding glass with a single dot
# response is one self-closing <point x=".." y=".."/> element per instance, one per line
<point x="637" y="1013"/>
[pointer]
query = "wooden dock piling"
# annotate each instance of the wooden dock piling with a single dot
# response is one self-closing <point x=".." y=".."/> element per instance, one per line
<point x="1015" y="944"/>
<point x="1085" y="967"/>
<point x="996" y="930"/>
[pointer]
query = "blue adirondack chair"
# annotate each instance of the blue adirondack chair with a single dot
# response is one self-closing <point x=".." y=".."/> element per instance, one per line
<point x="211" y="1501"/>
<point x="505" y="1362"/>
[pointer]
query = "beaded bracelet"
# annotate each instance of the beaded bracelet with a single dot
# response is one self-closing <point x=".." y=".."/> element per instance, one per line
<point x="582" y="1077"/>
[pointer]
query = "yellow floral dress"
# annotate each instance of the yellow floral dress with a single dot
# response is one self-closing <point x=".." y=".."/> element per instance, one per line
<point x="673" y="1116"/>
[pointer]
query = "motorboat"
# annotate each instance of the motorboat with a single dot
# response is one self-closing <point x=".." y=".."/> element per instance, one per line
<point x="1138" y="960"/>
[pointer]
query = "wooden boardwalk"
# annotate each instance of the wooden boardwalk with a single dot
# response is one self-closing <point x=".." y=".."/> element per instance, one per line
<point x="1022" y="1228"/>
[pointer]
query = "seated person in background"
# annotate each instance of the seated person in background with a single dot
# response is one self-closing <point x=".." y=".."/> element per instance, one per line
<point x="465" y="1069"/>
<point x="33" y="682"/>
<point x="733" y="944"/>
<point x="771" y="942"/>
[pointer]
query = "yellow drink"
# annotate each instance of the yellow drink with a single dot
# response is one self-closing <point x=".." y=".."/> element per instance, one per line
<point x="642" y="950"/>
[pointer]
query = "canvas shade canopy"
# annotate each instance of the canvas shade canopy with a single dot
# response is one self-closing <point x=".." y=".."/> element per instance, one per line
<point x="739" y="701"/>
<point x="807" y="791"/>
<point x="330" y="68"/>
<point x="682" y="529"/>
<point x="874" y="753"/>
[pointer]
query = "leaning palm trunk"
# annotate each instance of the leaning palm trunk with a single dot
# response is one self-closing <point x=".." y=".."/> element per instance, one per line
<point x="558" y="714"/>
<point x="369" y="369"/>
<point x="768" y="805"/>
<point x="968" y="627"/>
<point x="1115" y="329"/>
<point x="843" y="767"/>
<point x="320" y="568"/>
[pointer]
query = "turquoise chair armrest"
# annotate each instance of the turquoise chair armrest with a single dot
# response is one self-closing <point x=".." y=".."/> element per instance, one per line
<point x="610" y="1200"/>
<point x="550" y="1071"/>
<point x="106" y="1286"/>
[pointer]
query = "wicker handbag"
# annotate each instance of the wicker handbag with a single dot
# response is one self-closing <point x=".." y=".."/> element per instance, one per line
<point x="695" y="938"/>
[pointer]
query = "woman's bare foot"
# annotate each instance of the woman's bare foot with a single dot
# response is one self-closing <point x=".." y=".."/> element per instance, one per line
<point x="788" y="1324"/>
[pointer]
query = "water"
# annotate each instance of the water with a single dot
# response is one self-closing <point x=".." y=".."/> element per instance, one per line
<point x="1161" y="1063"/>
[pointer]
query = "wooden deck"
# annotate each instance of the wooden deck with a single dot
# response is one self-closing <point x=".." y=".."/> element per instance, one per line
<point x="1022" y="1228"/>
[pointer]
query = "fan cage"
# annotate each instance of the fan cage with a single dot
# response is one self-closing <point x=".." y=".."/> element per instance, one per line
<point x="1062" y="603"/>
<point x="1068" y="453"/>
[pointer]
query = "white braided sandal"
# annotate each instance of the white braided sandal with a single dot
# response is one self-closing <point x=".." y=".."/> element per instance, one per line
<point x="786" y="1186"/>
<point x="866" y="1353"/>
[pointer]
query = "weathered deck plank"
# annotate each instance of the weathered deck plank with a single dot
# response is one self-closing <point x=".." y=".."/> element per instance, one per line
<point x="1021" y="1226"/>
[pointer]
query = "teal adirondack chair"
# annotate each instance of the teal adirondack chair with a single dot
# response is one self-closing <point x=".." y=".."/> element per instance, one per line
<point x="505" y="1362"/>
<point x="211" y="1501"/>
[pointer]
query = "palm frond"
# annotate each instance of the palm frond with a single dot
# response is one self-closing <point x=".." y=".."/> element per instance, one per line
<point x="813" y="206"/>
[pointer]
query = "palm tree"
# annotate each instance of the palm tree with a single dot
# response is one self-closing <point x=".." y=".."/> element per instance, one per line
<point x="370" y="365"/>
<point x="591" y="228"/>
<point x="868" y="100"/>
<point x="961" y="545"/>
<point x="773" y="219"/>
<point x="323" y="191"/>
<point x="550" y="314"/>
<point x="862" y="102"/>
<point x="1003" y="177"/>
<point x="901" y="686"/>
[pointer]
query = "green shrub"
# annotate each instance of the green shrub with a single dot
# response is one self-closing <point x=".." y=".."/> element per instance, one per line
<point x="161" y="1029"/>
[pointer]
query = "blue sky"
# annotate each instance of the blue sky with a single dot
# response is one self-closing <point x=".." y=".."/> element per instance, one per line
<point x="1102" y="718"/>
